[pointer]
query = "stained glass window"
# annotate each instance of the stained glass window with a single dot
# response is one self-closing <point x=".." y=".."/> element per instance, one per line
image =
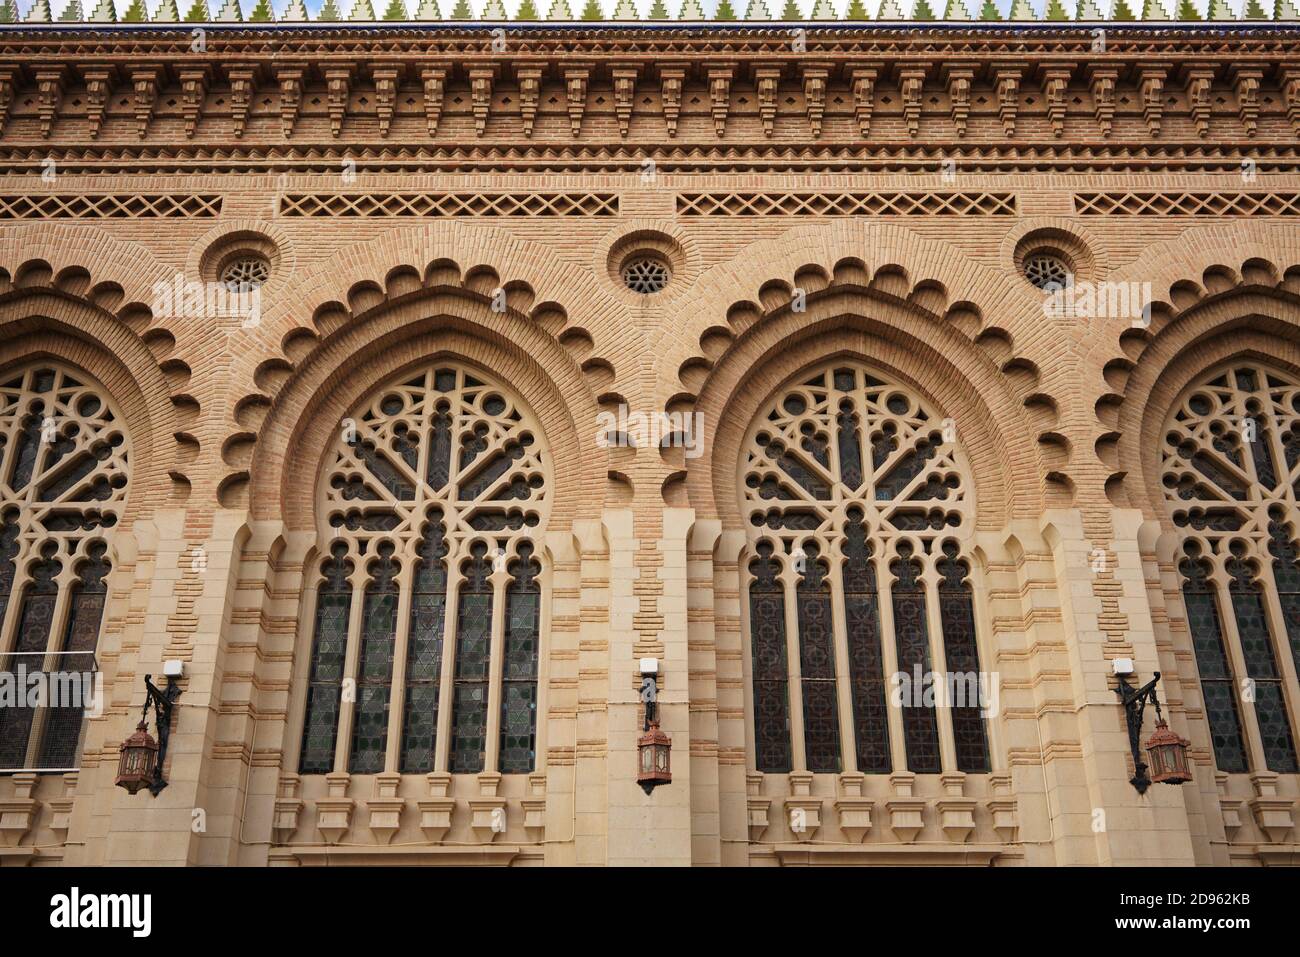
<point x="436" y="483"/>
<point x="64" y="466"/>
<point x="850" y="478"/>
<point x="1231" y="449"/>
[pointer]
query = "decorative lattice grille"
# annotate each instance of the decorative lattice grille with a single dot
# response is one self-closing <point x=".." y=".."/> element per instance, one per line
<point x="437" y="486"/>
<point x="449" y="204"/>
<point x="123" y="206"/>
<point x="645" y="276"/>
<point x="1045" y="271"/>
<point x="1187" y="204"/>
<point x="846" y="204"/>
<point x="1231" y="473"/>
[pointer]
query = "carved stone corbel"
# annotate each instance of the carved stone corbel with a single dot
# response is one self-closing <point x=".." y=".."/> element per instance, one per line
<point x="535" y="806"/>
<point x="767" y="81"/>
<point x="905" y="810"/>
<point x="18" y="812"/>
<point x="385" y="808"/>
<point x="1004" y="808"/>
<point x="956" y="811"/>
<point x="338" y="87"/>
<point x="720" y="75"/>
<point x="435" y="85"/>
<point x="386" y="76"/>
<point x="1056" y="83"/>
<point x="911" y="84"/>
<point x="194" y="89"/>
<point x="1102" y="80"/>
<point x="49" y="94"/>
<point x="1151" y="88"/>
<point x="1006" y="82"/>
<point x="437" y="809"/>
<point x="290" y="79"/>
<point x="488" y="810"/>
<point x="144" y="80"/>
<point x="624" y="76"/>
<point x="1273" y="812"/>
<point x="243" y="84"/>
<point x="1198" y="80"/>
<point x="334" y="812"/>
<point x="481" y="79"/>
<point x="863" y="81"/>
<point x="672" y="77"/>
<point x="99" y="87"/>
<point x="853" y="810"/>
<point x="529" y="78"/>
<point x="576" y="79"/>
<point x="757" y="806"/>
<point x="814" y="94"/>
<point x="803" y="810"/>
<point x="61" y="807"/>
<point x="1247" y="77"/>
<point x="958" y="81"/>
<point x="288" y="807"/>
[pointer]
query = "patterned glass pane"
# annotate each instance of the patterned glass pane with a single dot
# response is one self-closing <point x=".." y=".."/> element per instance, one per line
<point x="424" y="651"/>
<point x="375" y="666"/>
<point x="35" y="617"/>
<point x="325" y="682"/>
<point x="1257" y="649"/>
<point x="866" y="664"/>
<point x="473" y="641"/>
<point x="817" y="666"/>
<point x="920" y="729"/>
<point x="957" y="612"/>
<point x="1212" y="662"/>
<point x="1286" y="574"/>
<point x="519" y="691"/>
<point x="767" y="641"/>
<point x="62" y="735"/>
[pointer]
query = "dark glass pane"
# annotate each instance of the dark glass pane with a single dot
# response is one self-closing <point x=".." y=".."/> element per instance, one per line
<point x="911" y="465"/>
<point x="1286" y="573"/>
<point x="26" y="449"/>
<point x="8" y="552"/>
<point x="1257" y="649"/>
<point x="767" y="644"/>
<point x="817" y="667"/>
<point x="62" y="734"/>
<point x="849" y="447"/>
<point x="866" y="666"/>
<point x="957" y="613"/>
<point x="439" y="451"/>
<point x="375" y="666"/>
<point x="325" y="681"/>
<point x="519" y="677"/>
<point x="473" y="646"/>
<point x="35" y="617"/>
<point x="424" y="653"/>
<point x="1212" y="663"/>
<point x="920" y="729"/>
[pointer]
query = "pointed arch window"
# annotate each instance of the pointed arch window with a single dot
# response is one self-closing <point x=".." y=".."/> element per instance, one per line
<point x="64" y="469"/>
<point x="1231" y="472"/>
<point x="429" y="610"/>
<point x="859" y="595"/>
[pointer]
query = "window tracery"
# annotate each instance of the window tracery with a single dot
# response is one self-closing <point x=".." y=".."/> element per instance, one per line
<point x="64" y="468"/>
<point x="858" y="592"/>
<point x="1230" y="455"/>
<point x="432" y="501"/>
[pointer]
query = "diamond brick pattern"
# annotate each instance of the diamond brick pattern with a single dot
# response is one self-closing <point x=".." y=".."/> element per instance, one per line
<point x="1187" y="204"/>
<point x="846" y="204"/>
<point x="449" y="204"/>
<point x="111" y="206"/>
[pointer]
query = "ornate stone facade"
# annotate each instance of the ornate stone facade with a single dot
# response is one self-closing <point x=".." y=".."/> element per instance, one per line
<point x="410" y="383"/>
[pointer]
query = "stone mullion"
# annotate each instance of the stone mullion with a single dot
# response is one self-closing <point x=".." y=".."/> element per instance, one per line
<point x="987" y="647"/>
<point x="496" y="668"/>
<point x="1280" y="641"/>
<point x="447" y="677"/>
<point x="843" y="683"/>
<point x="939" y="667"/>
<point x="744" y="580"/>
<point x="351" y="660"/>
<point x="53" y="641"/>
<point x="889" y="661"/>
<point x="397" y="688"/>
<point x="794" y="670"/>
<point x="1232" y="638"/>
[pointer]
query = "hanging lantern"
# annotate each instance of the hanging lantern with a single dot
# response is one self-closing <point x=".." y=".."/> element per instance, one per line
<point x="1168" y="753"/>
<point x="654" y="758"/>
<point x="138" y="764"/>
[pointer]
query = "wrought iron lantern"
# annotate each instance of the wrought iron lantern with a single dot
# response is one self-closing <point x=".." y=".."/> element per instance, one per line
<point x="653" y="748"/>
<point x="141" y="761"/>
<point x="1168" y="751"/>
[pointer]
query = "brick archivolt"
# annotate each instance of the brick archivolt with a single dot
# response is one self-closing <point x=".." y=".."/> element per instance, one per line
<point x="1219" y="293"/>
<point x="53" y="305"/>
<point x="736" y="350"/>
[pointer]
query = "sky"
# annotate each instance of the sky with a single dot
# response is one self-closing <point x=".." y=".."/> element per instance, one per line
<point x="643" y="5"/>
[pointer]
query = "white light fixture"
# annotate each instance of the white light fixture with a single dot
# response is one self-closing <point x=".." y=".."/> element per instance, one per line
<point x="649" y="666"/>
<point x="1122" y="666"/>
<point x="174" y="668"/>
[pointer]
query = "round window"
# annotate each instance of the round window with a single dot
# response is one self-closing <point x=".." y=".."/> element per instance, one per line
<point x="1046" y="271"/>
<point x="645" y="275"/>
<point x="245" y="273"/>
